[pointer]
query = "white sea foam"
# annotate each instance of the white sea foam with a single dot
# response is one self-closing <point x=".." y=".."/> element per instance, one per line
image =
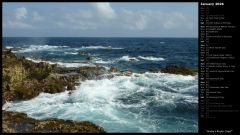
<point x="32" y="48"/>
<point x="63" y="64"/>
<point x="72" y="53"/>
<point x="35" y="60"/>
<point x="119" y="104"/>
<point x="101" y="61"/>
<point x="151" y="58"/>
<point x="100" y="47"/>
<point x="9" y="47"/>
<point x="75" y="64"/>
<point x="128" y="58"/>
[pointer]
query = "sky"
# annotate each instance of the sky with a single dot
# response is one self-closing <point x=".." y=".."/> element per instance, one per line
<point x="100" y="19"/>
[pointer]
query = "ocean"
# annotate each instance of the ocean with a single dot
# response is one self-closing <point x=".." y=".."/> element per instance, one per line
<point x="142" y="102"/>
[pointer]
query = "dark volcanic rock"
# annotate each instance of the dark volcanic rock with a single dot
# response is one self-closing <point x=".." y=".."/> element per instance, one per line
<point x="14" y="122"/>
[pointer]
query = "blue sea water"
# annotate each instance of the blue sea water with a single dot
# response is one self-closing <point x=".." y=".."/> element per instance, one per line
<point x="137" y="54"/>
<point x="142" y="102"/>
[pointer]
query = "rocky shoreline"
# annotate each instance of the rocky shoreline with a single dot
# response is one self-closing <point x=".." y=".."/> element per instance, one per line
<point x="23" y="79"/>
<point x="14" y="122"/>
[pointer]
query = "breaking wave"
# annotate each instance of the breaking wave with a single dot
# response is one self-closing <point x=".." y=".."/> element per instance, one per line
<point x="128" y="58"/>
<point x="151" y="58"/>
<point x="9" y="47"/>
<point x="72" y="53"/>
<point x="33" y="48"/>
<point x="63" y="64"/>
<point x="100" y="47"/>
<point x="149" y="102"/>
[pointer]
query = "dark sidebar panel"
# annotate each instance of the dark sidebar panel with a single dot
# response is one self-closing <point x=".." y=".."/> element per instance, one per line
<point x="219" y="67"/>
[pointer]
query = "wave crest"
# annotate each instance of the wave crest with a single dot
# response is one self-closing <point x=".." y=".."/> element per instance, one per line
<point x="151" y="58"/>
<point x="140" y="102"/>
<point x="32" y="48"/>
<point x="100" y="47"/>
<point x="63" y="64"/>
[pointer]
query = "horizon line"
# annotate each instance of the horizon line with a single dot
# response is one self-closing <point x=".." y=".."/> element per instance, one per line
<point x="93" y="37"/>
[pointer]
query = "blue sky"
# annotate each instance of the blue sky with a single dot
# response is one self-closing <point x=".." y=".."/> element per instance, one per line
<point x="102" y="19"/>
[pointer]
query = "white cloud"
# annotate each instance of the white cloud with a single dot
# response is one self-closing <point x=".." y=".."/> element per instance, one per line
<point x="37" y="17"/>
<point x="174" y="20"/>
<point x="105" y="10"/>
<point x="169" y="24"/>
<point x="21" y="13"/>
<point x="77" y="20"/>
<point x="134" y="20"/>
<point x="86" y="14"/>
<point x="60" y="24"/>
<point x="102" y="17"/>
<point x="18" y="25"/>
<point x="18" y="20"/>
<point x="141" y="23"/>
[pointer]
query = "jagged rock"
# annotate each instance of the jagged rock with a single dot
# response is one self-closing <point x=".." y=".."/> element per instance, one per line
<point x="71" y="87"/>
<point x="14" y="122"/>
<point x="23" y="79"/>
<point x="178" y="70"/>
<point x="113" y="69"/>
<point x="154" y="70"/>
<point x="126" y="73"/>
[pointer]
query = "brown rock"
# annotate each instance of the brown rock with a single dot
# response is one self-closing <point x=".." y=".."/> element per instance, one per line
<point x="179" y="70"/>
<point x="113" y="69"/>
<point x="14" y="122"/>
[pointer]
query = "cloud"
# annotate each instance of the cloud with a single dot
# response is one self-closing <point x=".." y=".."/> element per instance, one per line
<point x="105" y="10"/>
<point x="18" y="25"/>
<point x="21" y="13"/>
<point x="102" y="17"/>
<point x="174" y="20"/>
<point x="37" y="17"/>
<point x="141" y="23"/>
<point x="134" y="20"/>
<point x="17" y="21"/>
<point x="60" y="24"/>
<point x="80" y="19"/>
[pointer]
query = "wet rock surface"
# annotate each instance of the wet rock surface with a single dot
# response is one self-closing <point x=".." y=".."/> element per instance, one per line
<point x="14" y="122"/>
<point x="23" y="79"/>
<point x="173" y="69"/>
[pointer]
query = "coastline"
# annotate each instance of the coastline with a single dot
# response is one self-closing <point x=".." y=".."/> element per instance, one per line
<point x="24" y="79"/>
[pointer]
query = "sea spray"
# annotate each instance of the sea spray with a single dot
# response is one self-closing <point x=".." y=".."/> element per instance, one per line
<point x="149" y="102"/>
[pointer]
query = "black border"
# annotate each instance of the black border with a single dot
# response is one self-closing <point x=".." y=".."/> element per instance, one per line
<point x="231" y="10"/>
